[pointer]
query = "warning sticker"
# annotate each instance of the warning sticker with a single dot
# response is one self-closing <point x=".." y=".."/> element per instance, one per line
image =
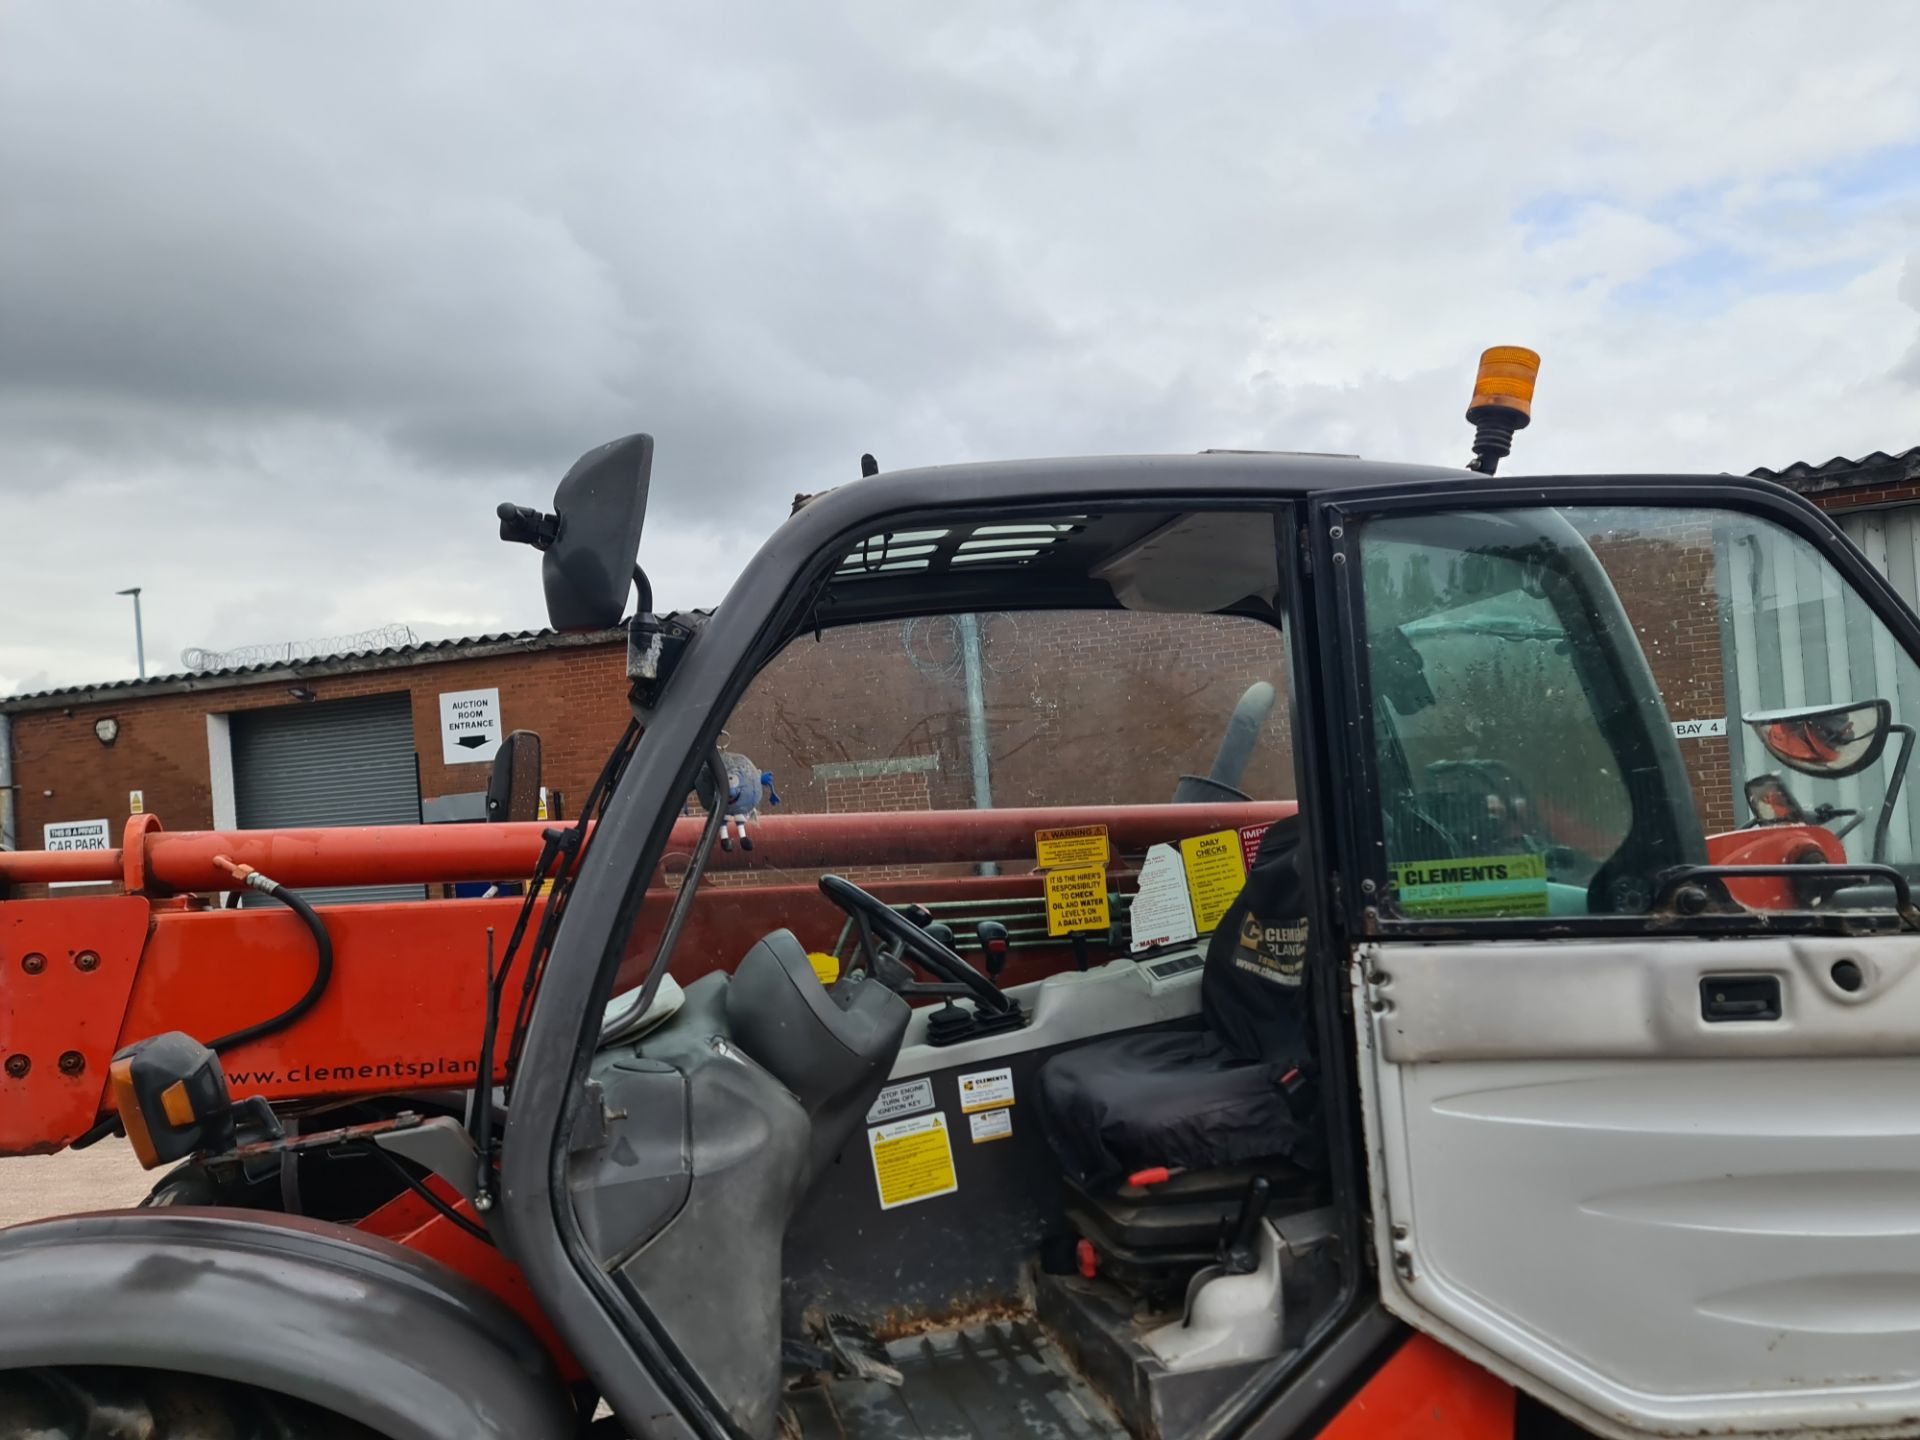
<point x="1482" y="885"/>
<point x="1077" y="900"/>
<point x="1077" y="845"/>
<point x="912" y="1160"/>
<point x="1215" y="873"/>
<point x="826" y="968"/>
<point x="985" y="1089"/>
<point x="991" y="1125"/>
<point x="909" y="1097"/>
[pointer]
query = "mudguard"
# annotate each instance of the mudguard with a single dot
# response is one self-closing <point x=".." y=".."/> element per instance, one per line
<point x="347" y="1321"/>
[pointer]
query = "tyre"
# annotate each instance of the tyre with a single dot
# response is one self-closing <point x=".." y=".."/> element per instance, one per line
<point x="87" y="1402"/>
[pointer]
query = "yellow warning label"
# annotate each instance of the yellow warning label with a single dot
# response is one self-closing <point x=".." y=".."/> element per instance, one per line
<point x="912" y="1160"/>
<point x="1215" y="873"/>
<point x="1076" y="900"/>
<point x="1077" y="845"/>
<point x="826" y="968"/>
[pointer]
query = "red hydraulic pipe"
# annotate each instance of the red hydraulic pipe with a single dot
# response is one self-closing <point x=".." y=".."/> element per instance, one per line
<point x="423" y="854"/>
<point x="932" y="837"/>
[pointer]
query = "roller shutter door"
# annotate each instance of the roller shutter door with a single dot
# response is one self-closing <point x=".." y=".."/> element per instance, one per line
<point x="337" y="762"/>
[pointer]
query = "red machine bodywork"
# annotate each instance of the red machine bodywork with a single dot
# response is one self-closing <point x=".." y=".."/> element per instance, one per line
<point x="1427" y="1390"/>
<point x="1810" y="845"/>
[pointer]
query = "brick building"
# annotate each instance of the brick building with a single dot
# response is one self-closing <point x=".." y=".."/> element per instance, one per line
<point x="1727" y="633"/>
<point x="178" y="746"/>
<point x="871" y="717"/>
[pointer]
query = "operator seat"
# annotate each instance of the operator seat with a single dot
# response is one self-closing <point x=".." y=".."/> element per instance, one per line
<point x="1226" y="1096"/>
<point x="831" y="1047"/>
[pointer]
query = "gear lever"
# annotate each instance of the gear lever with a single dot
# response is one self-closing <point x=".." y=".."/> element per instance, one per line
<point x="992" y="936"/>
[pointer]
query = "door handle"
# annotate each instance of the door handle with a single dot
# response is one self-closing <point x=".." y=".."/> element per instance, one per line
<point x="1739" y="997"/>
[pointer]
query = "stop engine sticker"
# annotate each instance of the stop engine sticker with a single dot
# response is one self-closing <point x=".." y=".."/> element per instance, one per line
<point x="912" y="1160"/>
<point x="909" y="1097"/>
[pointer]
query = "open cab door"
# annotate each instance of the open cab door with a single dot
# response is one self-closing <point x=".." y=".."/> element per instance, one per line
<point x="1643" y="1124"/>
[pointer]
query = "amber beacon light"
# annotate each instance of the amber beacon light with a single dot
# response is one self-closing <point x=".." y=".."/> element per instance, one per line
<point x="1502" y="403"/>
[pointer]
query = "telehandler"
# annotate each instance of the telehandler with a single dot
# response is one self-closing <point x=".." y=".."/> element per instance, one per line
<point x="1448" y="1058"/>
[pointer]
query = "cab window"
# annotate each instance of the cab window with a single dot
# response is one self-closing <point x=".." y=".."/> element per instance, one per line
<point x="1066" y="716"/>
<point x="1568" y="702"/>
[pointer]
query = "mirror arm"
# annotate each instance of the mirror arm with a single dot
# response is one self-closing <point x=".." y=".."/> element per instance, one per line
<point x="1884" y="823"/>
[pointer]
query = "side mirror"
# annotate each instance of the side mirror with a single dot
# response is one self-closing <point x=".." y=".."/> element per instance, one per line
<point x="1833" y="741"/>
<point x="592" y="539"/>
<point x="513" y="786"/>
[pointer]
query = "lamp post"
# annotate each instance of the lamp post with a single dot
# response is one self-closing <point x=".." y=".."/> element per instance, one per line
<point x="139" y="638"/>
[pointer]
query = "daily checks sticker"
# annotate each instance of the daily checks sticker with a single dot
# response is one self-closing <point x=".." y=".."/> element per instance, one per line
<point x="912" y="1160"/>
<point x="1215" y="875"/>
<point x="1483" y="885"/>
<point x="1077" y="845"/>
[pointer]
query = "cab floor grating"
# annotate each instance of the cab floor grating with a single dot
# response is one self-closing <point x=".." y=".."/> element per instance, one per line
<point x="996" y="1379"/>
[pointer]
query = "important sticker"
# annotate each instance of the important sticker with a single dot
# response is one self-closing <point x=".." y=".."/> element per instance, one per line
<point x="986" y="1089"/>
<point x="909" y="1097"/>
<point x="912" y="1160"/>
<point x="1215" y="875"/>
<point x="1077" y="900"/>
<point x="1075" y="845"/>
<point x="1250" y="838"/>
<point x="991" y="1125"/>
<point x="1483" y="885"/>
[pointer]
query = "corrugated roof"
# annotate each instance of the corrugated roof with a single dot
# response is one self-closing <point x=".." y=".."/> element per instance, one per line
<point x="1840" y="473"/>
<point x="391" y="657"/>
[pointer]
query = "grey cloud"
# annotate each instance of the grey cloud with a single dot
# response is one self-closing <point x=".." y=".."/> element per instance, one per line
<point x="290" y="295"/>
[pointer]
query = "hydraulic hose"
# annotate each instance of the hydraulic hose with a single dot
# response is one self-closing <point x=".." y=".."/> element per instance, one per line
<point x="322" y="976"/>
<point x="323" y="962"/>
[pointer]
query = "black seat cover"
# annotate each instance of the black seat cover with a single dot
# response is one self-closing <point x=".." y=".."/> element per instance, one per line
<point x="1200" y="1099"/>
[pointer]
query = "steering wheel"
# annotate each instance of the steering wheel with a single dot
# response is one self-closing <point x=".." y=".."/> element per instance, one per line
<point x="876" y="920"/>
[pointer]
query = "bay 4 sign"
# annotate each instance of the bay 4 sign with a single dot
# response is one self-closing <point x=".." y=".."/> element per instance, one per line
<point x="1699" y="729"/>
<point x="469" y="726"/>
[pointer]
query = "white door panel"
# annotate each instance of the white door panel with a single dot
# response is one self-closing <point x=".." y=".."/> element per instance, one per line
<point x="1570" y="1001"/>
<point x="1675" y="1231"/>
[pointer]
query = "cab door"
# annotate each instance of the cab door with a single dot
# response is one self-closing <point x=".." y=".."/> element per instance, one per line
<point x="1643" y="1134"/>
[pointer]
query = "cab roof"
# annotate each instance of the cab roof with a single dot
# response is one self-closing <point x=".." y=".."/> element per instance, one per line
<point x="1035" y="534"/>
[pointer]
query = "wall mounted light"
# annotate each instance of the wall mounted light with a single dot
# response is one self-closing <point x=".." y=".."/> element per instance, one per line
<point x="301" y="693"/>
<point x="106" y="730"/>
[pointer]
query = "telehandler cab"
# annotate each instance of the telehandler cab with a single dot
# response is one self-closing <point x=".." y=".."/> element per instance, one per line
<point x="1251" y="944"/>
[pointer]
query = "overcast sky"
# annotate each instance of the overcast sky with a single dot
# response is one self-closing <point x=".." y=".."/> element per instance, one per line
<point x="290" y="297"/>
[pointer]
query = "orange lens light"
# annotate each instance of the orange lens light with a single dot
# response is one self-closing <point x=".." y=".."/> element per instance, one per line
<point x="127" y="1102"/>
<point x="1505" y="381"/>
